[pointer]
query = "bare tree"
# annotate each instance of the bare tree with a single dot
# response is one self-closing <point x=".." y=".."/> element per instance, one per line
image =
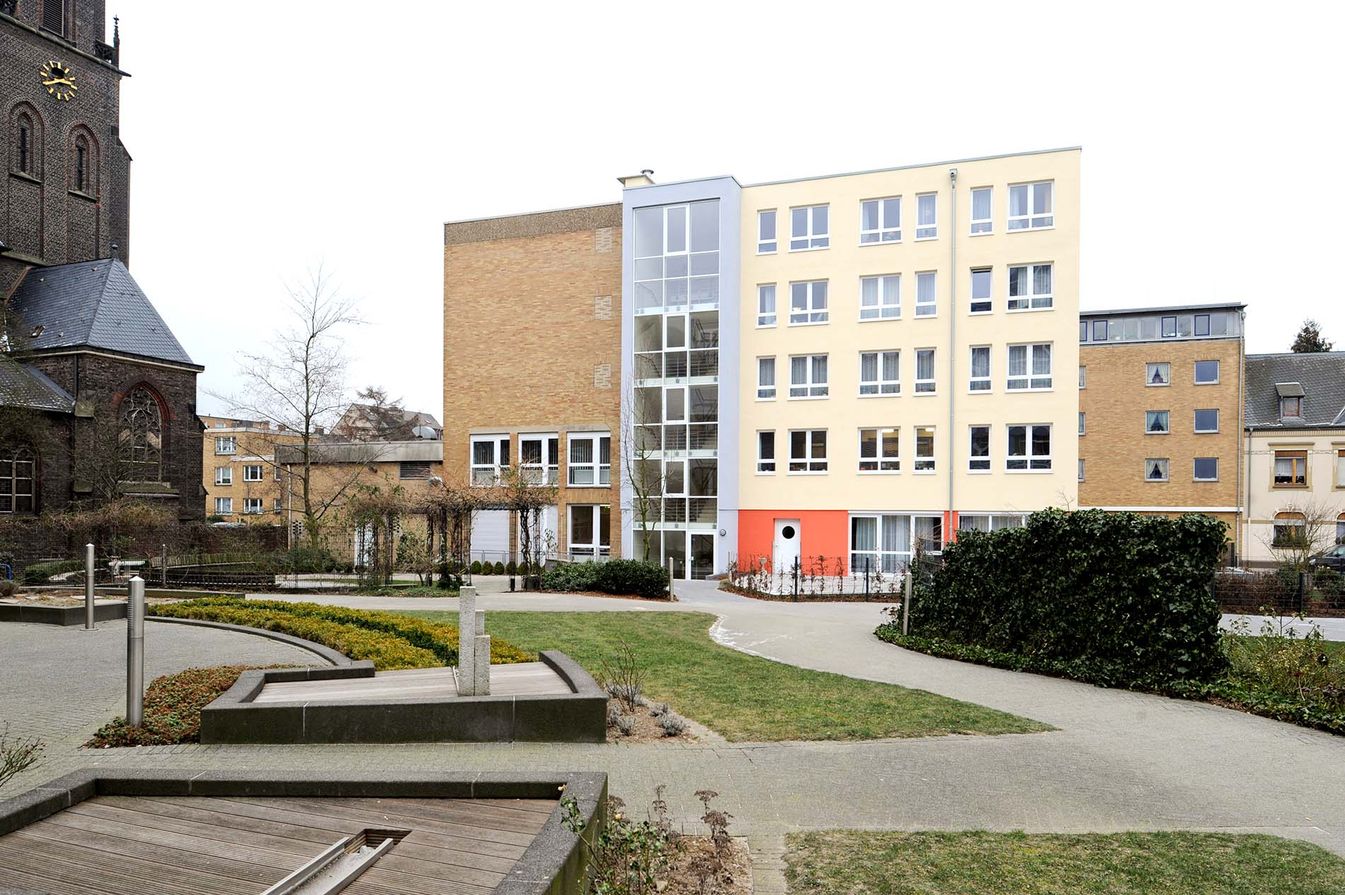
<point x="643" y="472"/>
<point x="1311" y="531"/>
<point x="376" y="416"/>
<point x="299" y="384"/>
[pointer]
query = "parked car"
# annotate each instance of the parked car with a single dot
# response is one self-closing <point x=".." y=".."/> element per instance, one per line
<point x="1333" y="559"/>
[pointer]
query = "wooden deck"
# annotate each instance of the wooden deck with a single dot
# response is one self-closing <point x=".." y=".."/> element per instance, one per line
<point x="241" y="845"/>
<point x="521" y="679"/>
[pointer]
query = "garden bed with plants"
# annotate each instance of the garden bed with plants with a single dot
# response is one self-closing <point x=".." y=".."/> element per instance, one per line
<point x="390" y="640"/>
<point x="842" y="862"/>
<point x="1118" y="600"/>
<point x="172" y="708"/>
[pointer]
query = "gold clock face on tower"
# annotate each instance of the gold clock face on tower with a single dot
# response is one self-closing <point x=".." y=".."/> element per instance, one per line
<point x="58" y="80"/>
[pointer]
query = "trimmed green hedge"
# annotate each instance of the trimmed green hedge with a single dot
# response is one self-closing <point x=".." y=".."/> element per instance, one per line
<point x="390" y="640"/>
<point x="620" y="577"/>
<point x="1116" y="599"/>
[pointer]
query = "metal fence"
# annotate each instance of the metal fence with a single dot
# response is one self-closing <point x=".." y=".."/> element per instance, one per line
<point x="1280" y="592"/>
<point x="818" y="578"/>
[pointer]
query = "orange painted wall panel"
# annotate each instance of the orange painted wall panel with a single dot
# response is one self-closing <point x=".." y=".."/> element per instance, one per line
<point x="823" y="533"/>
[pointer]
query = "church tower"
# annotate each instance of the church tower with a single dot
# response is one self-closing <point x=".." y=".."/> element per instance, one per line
<point x="66" y="196"/>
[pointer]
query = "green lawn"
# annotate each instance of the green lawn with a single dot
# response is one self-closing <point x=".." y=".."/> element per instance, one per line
<point x="846" y="862"/>
<point x="745" y="697"/>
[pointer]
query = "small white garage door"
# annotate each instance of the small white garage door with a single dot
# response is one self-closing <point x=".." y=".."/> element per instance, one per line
<point x="490" y="536"/>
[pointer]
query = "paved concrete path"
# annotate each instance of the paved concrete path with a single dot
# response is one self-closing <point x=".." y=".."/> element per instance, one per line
<point x="1119" y="760"/>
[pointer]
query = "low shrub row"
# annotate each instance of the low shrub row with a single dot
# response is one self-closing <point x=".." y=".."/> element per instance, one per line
<point x="389" y="639"/>
<point x="499" y="568"/>
<point x="620" y="577"/>
<point x="172" y="708"/>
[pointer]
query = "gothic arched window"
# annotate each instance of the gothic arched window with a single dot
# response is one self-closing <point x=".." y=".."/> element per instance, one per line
<point x="141" y="437"/>
<point x="18" y="479"/>
<point x="25" y="150"/>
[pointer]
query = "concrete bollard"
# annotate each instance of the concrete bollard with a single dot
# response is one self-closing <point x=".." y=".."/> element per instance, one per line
<point x="466" y="640"/>
<point x="88" y="587"/>
<point x="135" y="651"/>
<point x="481" y="670"/>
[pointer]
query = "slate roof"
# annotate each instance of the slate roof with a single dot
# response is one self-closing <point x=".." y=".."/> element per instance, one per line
<point x="25" y="386"/>
<point x="1322" y="376"/>
<point x="93" y="304"/>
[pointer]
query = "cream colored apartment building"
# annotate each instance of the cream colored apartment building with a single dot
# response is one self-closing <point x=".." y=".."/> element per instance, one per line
<point x="239" y="471"/>
<point x="908" y="347"/>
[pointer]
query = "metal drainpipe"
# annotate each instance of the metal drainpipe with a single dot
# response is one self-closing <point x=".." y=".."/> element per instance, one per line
<point x="952" y="352"/>
<point x="1243" y="456"/>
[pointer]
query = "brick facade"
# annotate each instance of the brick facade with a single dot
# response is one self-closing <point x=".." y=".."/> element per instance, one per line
<point x="1115" y="444"/>
<point x="532" y="339"/>
<point x="99" y="382"/>
<point x="255" y="445"/>
<point x="44" y="218"/>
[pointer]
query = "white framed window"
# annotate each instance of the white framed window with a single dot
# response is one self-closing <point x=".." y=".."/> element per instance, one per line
<point x="809" y="228"/>
<point x="1031" y="205"/>
<point x="1030" y="287"/>
<point x="981" y="302"/>
<point x="980" y="210"/>
<point x="765" y="452"/>
<point x="1083" y="376"/>
<point x="490" y="454"/>
<point x="590" y="530"/>
<point x="224" y="475"/>
<point x="226" y="444"/>
<point x="765" y="304"/>
<point x="1207" y="372"/>
<point x="880" y="297"/>
<point x="978" y="454"/>
<point x="765" y="379"/>
<point x="980" y="369"/>
<point x="1205" y="469"/>
<point x="1169" y="327"/>
<point x="1156" y="469"/>
<point x="1158" y="373"/>
<point x="1207" y="420"/>
<point x="277" y="505"/>
<point x="539" y="458"/>
<point x="808" y="376"/>
<point x="808" y="450"/>
<point x="590" y="459"/>
<point x="766" y="241"/>
<point x="1029" y="367"/>
<point x="1081" y="478"/>
<point x="880" y="450"/>
<point x="926" y="216"/>
<point x="926" y="294"/>
<point x="675" y="478"/>
<point x="879" y="543"/>
<point x="1029" y="448"/>
<point x="675" y="404"/>
<point x="808" y="302"/>
<point x="1083" y="423"/>
<point x="253" y="472"/>
<point x="924" y="371"/>
<point x="252" y="505"/>
<point x="924" y="449"/>
<point x="879" y="373"/>
<point x="224" y="506"/>
<point x="1156" y="422"/>
<point x="880" y="220"/>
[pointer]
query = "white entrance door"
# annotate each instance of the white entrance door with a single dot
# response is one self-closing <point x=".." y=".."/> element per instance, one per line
<point x="785" y="549"/>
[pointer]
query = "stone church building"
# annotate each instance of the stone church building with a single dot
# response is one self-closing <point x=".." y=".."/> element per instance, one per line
<point x="97" y="397"/>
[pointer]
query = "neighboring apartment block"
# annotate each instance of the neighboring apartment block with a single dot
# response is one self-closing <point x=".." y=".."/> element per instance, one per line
<point x="242" y="480"/>
<point x="1160" y="411"/>
<point x="1295" y="453"/>
<point x="532" y="371"/>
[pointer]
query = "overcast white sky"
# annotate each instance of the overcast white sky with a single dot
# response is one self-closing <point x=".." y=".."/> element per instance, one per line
<point x="271" y="137"/>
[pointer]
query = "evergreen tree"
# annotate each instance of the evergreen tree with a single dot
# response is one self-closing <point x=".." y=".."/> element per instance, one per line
<point x="1309" y="339"/>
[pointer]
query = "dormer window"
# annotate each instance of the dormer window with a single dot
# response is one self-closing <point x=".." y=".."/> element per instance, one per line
<point x="1291" y="396"/>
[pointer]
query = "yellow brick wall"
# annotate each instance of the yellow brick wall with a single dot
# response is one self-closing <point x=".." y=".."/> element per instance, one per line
<point x="532" y="338"/>
<point x="251" y="443"/>
<point x="1115" y="444"/>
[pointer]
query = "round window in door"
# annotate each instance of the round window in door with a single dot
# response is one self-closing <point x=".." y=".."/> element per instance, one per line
<point x="787" y="532"/>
